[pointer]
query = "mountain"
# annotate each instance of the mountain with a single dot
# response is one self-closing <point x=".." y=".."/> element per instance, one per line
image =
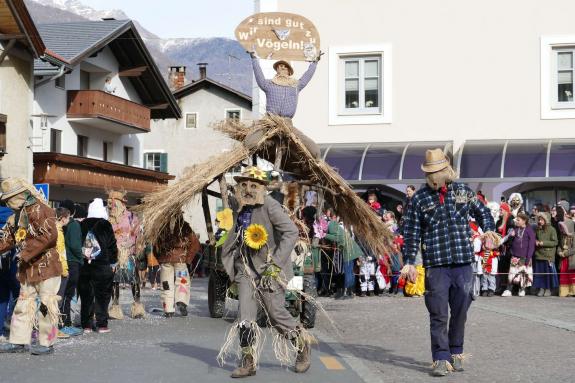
<point x="227" y="61"/>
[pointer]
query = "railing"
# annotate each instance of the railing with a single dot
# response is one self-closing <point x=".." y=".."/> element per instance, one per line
<point x="99" y="104"/>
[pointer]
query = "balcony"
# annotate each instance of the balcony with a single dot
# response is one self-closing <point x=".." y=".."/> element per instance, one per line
<point x="70" y="171"/>
<point x="105" y="111"/>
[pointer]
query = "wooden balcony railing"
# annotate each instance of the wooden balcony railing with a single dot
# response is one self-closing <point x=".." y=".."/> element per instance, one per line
<point x="99" y="104"/>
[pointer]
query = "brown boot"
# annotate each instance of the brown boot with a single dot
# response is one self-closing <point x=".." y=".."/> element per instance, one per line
<point x="246" y="367"/>
<point x="303" y="359"/>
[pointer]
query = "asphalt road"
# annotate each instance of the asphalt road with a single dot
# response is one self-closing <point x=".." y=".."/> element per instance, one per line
<point x="156" y="349"/>
<point x="369" y="339"/>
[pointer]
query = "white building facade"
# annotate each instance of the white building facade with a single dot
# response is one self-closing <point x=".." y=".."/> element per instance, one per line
<point x="490" y="82"/>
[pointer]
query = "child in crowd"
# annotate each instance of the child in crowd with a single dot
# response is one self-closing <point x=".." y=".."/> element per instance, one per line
<point x="489" y="263"/>
<point x="62" y="219"/>
<point x="396" y="264"/>
<point x="367" y="274"/>
<point x="478" y="260"/>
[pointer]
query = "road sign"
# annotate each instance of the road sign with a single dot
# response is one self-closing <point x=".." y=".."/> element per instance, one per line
<point x="44" y="189"/>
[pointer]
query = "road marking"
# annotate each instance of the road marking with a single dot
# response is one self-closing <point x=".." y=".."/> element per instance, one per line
<point x="331" y="363"/>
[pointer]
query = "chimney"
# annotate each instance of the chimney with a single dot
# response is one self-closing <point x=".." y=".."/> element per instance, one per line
<point x="202" y="67"/>
<point x="177" y="77"/>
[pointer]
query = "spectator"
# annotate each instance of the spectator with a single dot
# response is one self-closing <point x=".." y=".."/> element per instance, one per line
<point x="545" y="273"/>
<point x="62" y="218"/>
<point x="565" y="249"/>
<point x="9" y="285"/>
<point x="96" y="276"/>
<point x="75" y="260"/>
<point x="153" y="268"/>
<point x="409" y="192"/>
<point x="391" y="222"/>
<point x="108" y="87"/>
<point x="522" y="249"/>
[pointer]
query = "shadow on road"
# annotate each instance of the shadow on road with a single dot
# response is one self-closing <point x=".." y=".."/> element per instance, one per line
<point x="386" y="357"/>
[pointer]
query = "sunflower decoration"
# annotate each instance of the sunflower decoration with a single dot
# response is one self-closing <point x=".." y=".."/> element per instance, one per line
<point x="256" y="236"/>
<point x="20" y="235"/>
<point x="257" y="173"/>
<point x="225" y="219"/>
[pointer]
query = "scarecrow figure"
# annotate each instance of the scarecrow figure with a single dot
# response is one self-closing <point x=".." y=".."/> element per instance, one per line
<point x="176" y="250"/>
<point x="126" y="229"/>
<point x="32" y="232"/>
<point x="437" y="220"/>
<point x="256" y="256"/>
<point x="282" y="93"/>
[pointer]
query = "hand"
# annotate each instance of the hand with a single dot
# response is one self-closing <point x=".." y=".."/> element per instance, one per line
<point x="409" y="273"/>
<point x="319" y="56"/>
<point x="253" y="53"/>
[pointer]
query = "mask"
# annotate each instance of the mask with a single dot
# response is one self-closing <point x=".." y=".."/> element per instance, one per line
<point x="441" y="178"/>
<point x="116" y="210"/>
<point x="494" y="208"/>
<point x="17" y="202"/>
<point x="515" y="203"/>
<point x="250" y="193"/>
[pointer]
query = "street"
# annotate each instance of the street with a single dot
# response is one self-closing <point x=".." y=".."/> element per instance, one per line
<point x="369" y="340"/>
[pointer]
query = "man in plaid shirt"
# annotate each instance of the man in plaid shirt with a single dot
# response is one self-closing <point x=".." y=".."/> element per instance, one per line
<point x="437" y="221"/>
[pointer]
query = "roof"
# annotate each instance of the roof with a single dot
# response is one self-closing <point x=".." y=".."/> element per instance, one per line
<point x="76" y="41"/>
<point x="199" y="84"/>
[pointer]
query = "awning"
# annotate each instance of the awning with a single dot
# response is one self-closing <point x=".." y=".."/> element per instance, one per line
<point x="517" y="159"/>
<point x="380" y="162"/>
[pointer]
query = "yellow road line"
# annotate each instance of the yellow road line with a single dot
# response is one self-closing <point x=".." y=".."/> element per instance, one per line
<point x="331" y="363"/>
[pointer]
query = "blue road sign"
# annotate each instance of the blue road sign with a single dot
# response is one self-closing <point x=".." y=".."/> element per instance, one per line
<point x="44" y="189"/>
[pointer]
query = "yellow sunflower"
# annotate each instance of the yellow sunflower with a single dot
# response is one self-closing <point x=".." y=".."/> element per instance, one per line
<point x="225" y="219"/>
<point x="257" y="173"/>
<point x="20" y="235"/>
<point x="256" y="236"/>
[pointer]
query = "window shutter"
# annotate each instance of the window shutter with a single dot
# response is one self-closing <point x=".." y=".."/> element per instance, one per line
<point x="164" y="162"/>
<point x="145" y="161"/>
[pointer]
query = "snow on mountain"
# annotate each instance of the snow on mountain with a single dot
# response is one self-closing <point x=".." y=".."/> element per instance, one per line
<point x="227" y="61"/>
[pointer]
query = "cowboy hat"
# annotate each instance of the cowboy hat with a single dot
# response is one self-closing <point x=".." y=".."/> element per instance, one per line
<point x="435" y="160"/>
<point x="277" y="63"/>
<point x="253" y="173"/>
<point x="11" y="187"/>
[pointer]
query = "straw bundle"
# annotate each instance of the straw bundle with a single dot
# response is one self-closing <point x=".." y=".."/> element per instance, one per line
<point x="161" y="207"/>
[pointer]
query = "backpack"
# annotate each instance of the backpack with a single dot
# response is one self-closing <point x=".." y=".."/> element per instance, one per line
<point x="91" y="248"/>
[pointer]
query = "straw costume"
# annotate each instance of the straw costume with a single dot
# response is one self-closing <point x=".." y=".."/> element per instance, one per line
<point x="32" y="231"/>
<point x="126" y="228"/>
<point x="176" y="250"/>
<point x="256" y="255"/>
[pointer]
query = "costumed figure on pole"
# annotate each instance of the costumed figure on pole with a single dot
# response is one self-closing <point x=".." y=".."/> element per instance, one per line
<point x="437" y="220"/>
<point x="126" y="229"/>
<point x="257" y="256"/>
<point x="175" y="250"/>
<point x="32" y="232"/>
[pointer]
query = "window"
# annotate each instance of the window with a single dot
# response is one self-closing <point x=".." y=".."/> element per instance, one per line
<point x="128" y="155"/>
<point x="82" y="146"/>
<point x="557" y="76"/>
<point x="55" y="140"/>
<point x="360" y="84"/>
<point x="61" y="82"/>
<point x="106" y="151"/>
<point x="234" y="114"/>
<point x="191" y="120"/>
<point x="361" y="89"/>
<point x="156" y="161"/>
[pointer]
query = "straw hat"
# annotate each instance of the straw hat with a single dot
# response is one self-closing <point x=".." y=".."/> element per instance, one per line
<point x="117" y="195"/>
<point x="435" y="160"/>
<point x="277" y="63"/>
<point x="11" y="187"/>
<point x="253" y="173"/>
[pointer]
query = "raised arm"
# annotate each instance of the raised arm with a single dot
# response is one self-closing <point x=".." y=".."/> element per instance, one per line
<point x="412" y="233"/>
<point x="259" y="75"/>
<point x="307" y="75"/>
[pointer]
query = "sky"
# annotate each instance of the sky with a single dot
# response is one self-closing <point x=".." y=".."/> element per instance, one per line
<point x="183" y="18"/>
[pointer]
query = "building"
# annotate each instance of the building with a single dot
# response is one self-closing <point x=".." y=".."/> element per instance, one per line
<point x="20" y="44"/>
<point x="491" y="82"/>
<point x="90" y="118"/>
<point x="174" y="145"/>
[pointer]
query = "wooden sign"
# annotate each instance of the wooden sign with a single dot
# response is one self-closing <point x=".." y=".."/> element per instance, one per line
<point x="279" y="36"/>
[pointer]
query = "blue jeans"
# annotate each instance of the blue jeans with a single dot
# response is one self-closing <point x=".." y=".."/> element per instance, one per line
<point x="349" y="278"/>
<point x="9" y="288"/>
<point x="448" y="288"/>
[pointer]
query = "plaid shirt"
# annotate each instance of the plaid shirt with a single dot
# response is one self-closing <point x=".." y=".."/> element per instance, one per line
<point x="443" y="230"/>
<point x="281" y="100"/>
